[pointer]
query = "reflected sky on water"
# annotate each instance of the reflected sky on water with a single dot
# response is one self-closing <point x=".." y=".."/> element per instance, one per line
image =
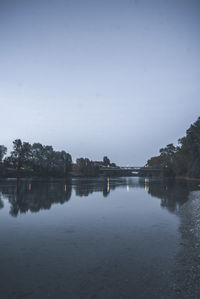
<point x="34" y="195"/>
<point x="90" y="238"/>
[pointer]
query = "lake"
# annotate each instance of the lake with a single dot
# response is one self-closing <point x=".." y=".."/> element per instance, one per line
<point x="99" y="238"/>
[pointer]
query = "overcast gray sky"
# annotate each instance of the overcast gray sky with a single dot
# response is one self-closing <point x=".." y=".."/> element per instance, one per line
<point x="114" y="77"/>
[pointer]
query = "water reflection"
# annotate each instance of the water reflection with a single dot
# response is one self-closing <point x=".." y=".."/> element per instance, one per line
<point x="1" y="204"/>
<point x="172" y="193"/>
<point x="34" y="195"/>
<point x="115" y="246"/>
<point x="85" y="187"/>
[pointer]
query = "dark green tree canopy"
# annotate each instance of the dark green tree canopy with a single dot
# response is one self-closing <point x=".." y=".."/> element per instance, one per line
<point x="106" y="161"/>
<point x="87" y="167"/>
<point x="184" y="159"/>
<point x="42" y="159"/>
<point x="3" y="151"/>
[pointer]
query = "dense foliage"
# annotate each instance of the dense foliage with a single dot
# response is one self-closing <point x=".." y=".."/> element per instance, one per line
<point x="3" y="151"/>
<point x="86" y="167"/>
<point x="38" y="159"/>
<point x="181" y="160"/>
<point x="42" y="160"/>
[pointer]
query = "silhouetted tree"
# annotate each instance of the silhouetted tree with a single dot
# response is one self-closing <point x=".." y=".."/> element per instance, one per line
<point x="3" y="151"/>
<point x="41" y="159"/>
<point x="106" y="161"/>
<point x="87" y="167"/>
<point x="183" y="159"/>
<point x="21" y="153"/>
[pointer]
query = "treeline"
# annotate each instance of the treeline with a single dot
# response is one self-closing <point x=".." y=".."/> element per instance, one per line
<point x="35" y="158"/>
<point x="42" y="160"/>
<point x="181" y="160"/>
<point x="86" y="167"/>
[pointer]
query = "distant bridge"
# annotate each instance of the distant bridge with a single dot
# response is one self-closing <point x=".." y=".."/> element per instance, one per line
<point x="129" y="168"/>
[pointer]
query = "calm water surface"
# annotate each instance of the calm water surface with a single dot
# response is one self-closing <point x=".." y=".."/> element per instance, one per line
<point x="90" y="238"/>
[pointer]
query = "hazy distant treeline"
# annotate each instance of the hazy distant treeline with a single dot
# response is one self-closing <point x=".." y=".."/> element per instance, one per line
<point x="181" y="160"/>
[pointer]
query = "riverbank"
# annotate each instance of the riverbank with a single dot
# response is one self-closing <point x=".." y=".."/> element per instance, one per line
<point x="187" y="178"/>
<point x="13" y="173"/>
<point x="187" y="265"/>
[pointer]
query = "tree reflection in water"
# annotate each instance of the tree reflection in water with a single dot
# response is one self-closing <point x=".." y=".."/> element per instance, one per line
<point x="172" y="192"/>
<point x="1" y="204"/>
<point x="35" y="195"/>
<point x="30" y="195"/>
